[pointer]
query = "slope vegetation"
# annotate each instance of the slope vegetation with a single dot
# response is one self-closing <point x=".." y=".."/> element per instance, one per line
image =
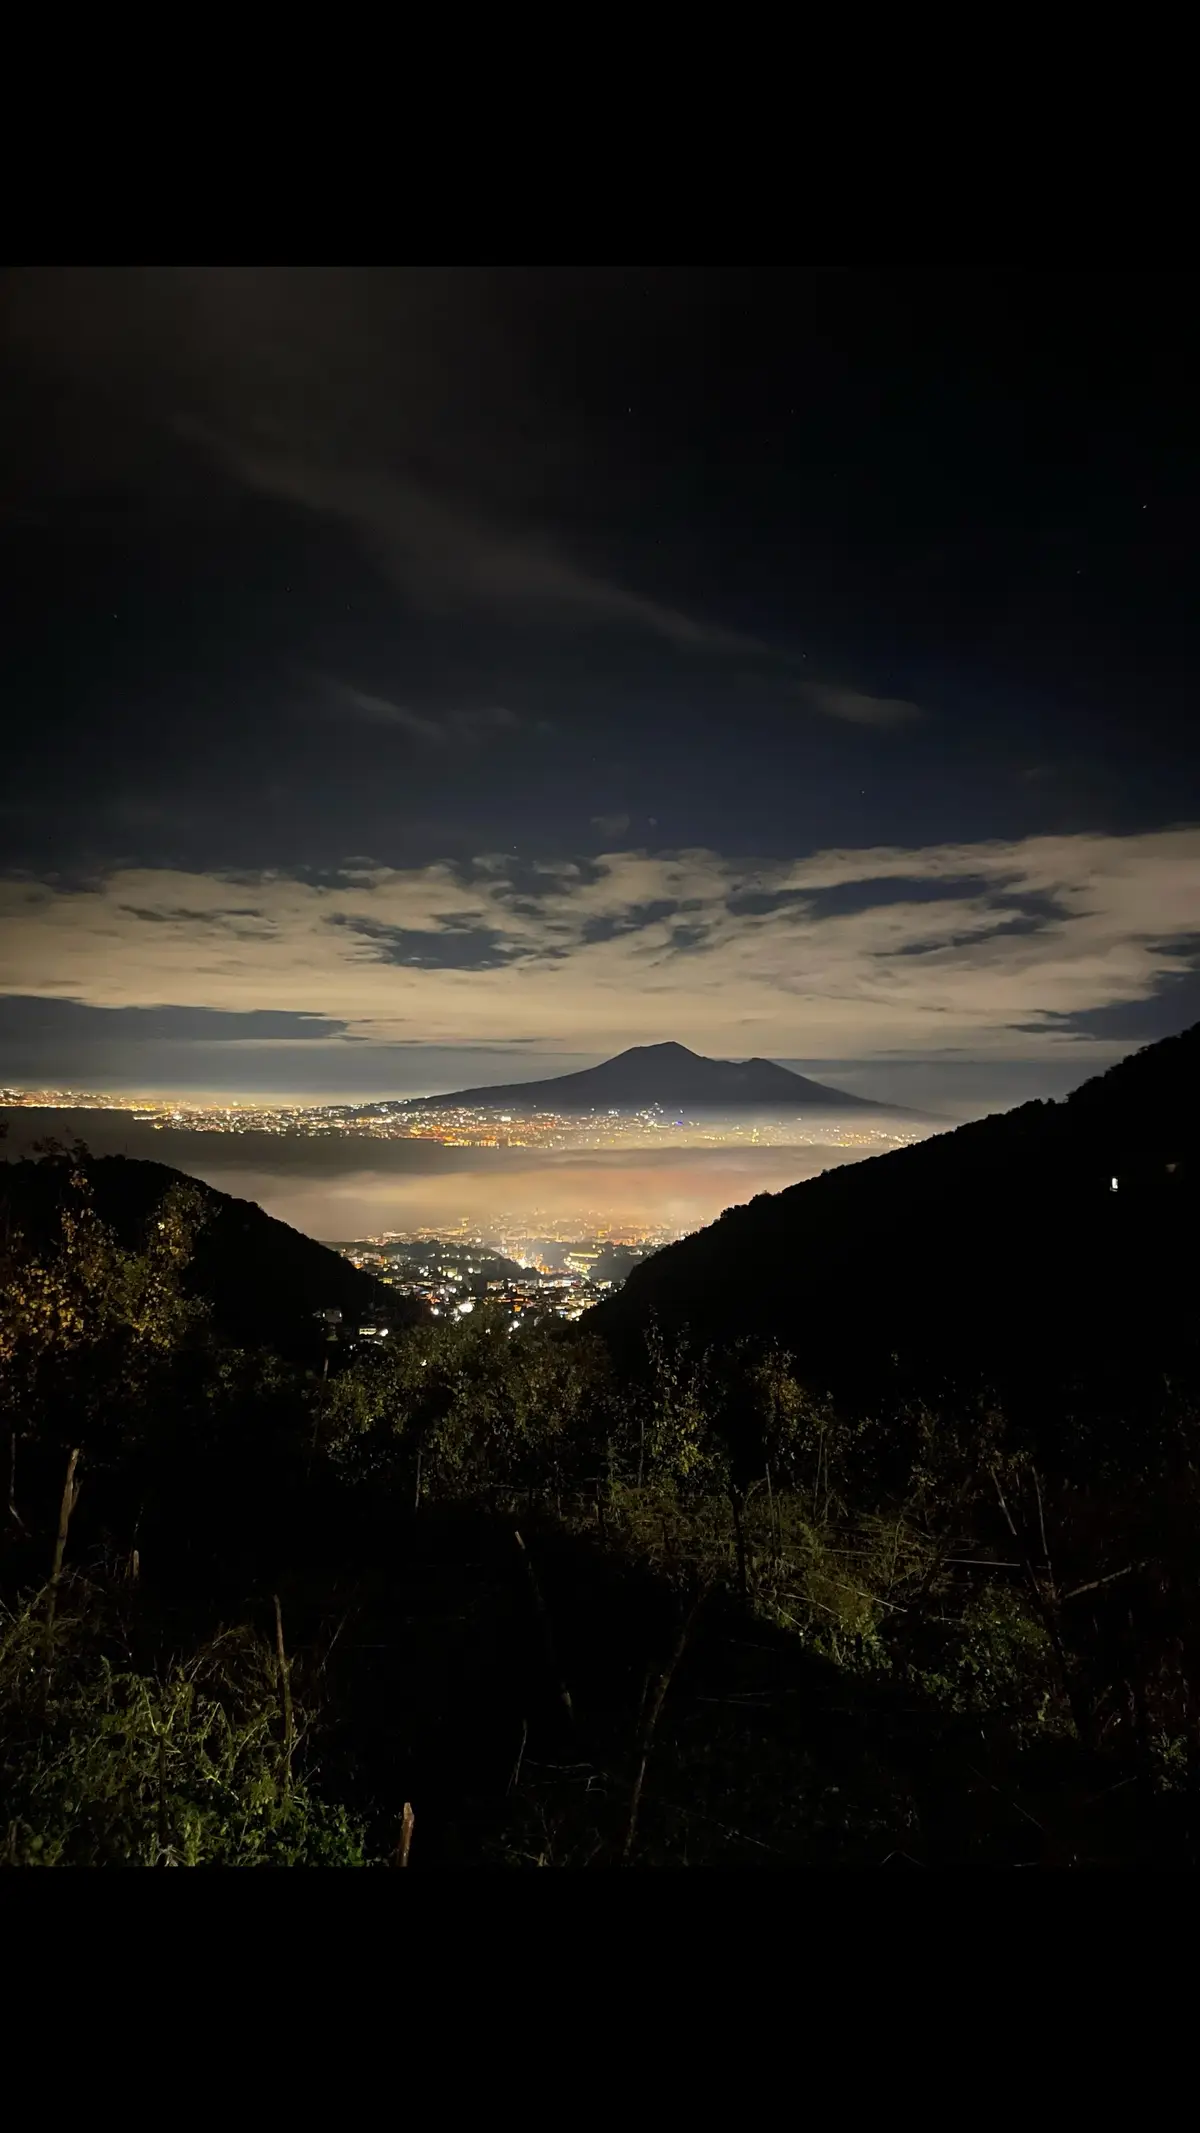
<point x="262" y="1279"/>
<point x="998" y="1253"/>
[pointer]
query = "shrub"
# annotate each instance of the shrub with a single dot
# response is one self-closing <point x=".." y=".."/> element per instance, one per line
<point x="105" y="1765"/>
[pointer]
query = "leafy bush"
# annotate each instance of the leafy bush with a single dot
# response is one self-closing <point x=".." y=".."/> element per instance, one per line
<point x="106" y="1765"/>
<point x="482" y="1405"/>
<point x="997" y="1661"/>
<point x="88" y="1330"/>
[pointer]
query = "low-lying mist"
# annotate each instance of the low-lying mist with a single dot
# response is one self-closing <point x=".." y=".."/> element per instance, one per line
<point x="634" y="1190"/>
<point x="343" y="1186"/>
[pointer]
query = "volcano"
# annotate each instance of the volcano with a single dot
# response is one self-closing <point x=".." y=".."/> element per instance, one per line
<point x="667" y="1077"/>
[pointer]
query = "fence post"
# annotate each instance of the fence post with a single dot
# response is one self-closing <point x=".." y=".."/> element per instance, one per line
<point x="285" y="1691"/>
<point x="406" y="1833"/>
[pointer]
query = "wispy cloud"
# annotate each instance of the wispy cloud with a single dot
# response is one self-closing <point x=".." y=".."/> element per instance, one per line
<point x="450" y="557"/>
<point x="450" y="728"/>
<point x="997" y="948"/>
<point x="447" y="555"/>
<point x="856" y="708"/>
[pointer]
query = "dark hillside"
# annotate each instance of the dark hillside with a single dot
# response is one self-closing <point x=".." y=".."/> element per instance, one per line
<point x="999" y="1252"/>
<point x="263" y="1280"/>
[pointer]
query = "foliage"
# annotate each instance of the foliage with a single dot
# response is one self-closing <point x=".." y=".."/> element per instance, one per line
<point x="107" y="1765"/>
<point x="482" y="1405"/>
<point x="921" y="1626"/>
<point x="995" y="1660"/>
<point x="89" y="1330"/>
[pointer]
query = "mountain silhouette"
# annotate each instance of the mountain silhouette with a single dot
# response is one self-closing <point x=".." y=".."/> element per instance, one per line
<point x="998" y="1254"/>
<point x="262" y="1279"/>
<point x="670" y="1076"/>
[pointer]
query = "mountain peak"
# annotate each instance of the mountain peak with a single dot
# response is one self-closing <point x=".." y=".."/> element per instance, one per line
<point x="667" y="1077"/>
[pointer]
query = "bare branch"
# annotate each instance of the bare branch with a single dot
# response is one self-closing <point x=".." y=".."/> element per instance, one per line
<point x="1042" y="1526"/>
<point x="1094" y="1584"/>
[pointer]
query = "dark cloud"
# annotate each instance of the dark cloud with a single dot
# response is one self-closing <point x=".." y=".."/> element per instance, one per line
<point x="452" y="945"/>
<point x="23" y="1017"/>
<point x="1173" y="1004"/>
<point x="1015" y="928"/>
<point x="843" y="899"/>
<point x="236" y="919"/>
<point x="527" y="885"/>
<point x="634" y="918"/>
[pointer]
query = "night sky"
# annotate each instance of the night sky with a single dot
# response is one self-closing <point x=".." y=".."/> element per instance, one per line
<point x="417" y="678"/>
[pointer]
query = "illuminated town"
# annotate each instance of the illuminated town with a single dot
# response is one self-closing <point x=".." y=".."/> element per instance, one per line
<point x="531" y="1260"/>
<point x="524" y="1265"/>
<point x="484" y="1127"/>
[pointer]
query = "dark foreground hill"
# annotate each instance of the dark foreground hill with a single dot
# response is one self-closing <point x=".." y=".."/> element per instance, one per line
<point x="263" y="1280"/>
<point x="999" y="1253"/>
<point x="667" y="1075"/>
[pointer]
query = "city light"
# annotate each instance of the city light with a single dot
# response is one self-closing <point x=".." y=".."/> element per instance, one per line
<point x="485" y="1127"/>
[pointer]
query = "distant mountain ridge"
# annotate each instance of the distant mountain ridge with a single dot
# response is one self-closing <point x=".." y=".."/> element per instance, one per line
<point x="668" y="1075"/>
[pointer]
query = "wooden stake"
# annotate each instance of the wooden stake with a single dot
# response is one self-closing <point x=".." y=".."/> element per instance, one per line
<point x="406" y="1834"/>
<point x="285" y="1690"/>
<point x="70" y="1497"/>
